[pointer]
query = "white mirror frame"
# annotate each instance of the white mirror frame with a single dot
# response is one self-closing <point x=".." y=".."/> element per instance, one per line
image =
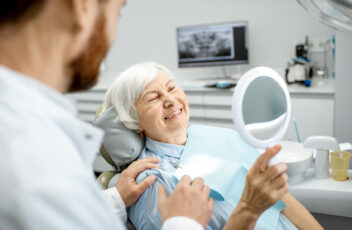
<point x="237" y="101"/>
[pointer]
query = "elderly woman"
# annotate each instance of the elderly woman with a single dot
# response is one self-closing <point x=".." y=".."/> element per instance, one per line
<point x="148" y="100"/>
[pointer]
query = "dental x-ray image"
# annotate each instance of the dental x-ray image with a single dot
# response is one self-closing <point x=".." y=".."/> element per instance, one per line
<point x="206" y="44"/>
<point x="212" y="44"/>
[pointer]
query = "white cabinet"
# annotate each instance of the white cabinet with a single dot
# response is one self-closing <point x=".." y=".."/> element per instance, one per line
<point x="209" y="106"/>
<point x="88" y="102"/>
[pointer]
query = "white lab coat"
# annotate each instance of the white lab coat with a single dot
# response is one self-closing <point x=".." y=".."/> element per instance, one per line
<point x="46" y="155"/>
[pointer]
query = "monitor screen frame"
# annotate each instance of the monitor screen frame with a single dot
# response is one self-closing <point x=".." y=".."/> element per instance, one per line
<point x="214" y="63"/>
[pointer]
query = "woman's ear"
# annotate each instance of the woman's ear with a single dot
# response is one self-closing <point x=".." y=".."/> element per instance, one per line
<point x="140" y="131"/>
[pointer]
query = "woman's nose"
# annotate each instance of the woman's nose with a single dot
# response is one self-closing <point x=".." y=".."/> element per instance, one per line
<point x="169" y="101"/>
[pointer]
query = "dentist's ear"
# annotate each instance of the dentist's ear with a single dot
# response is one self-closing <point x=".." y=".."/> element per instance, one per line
<point x="78" y="20"/>
<point x="84" y="14"/>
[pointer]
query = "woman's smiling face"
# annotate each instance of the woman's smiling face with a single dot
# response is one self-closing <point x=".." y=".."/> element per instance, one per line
<point x="163" y="109"/>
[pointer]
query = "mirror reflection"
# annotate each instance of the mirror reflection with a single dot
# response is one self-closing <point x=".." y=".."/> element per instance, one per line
<point x="264" y="108"/>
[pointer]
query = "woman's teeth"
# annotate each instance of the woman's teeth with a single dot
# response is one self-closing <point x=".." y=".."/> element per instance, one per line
<point x="174" y="114"/>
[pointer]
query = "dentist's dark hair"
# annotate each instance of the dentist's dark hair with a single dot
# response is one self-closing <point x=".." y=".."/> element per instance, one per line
<point x="19" y="11"/>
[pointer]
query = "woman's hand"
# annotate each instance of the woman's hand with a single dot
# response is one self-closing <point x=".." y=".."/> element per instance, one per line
<point x="264" y="187"/>
<point x="127" y="186"/>
<point x="189" y="198"/>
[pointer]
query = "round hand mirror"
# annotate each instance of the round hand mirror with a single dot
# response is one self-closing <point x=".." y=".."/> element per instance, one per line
<point x="261" y="108"/>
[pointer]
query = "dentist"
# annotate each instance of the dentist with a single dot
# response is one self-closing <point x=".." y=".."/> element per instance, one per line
<point x="48" y="48"/>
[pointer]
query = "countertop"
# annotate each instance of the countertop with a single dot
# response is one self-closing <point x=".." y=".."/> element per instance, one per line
<point x="319" y="85"/>
<point x="325" y="196"/>
<point x="323" y="86"/>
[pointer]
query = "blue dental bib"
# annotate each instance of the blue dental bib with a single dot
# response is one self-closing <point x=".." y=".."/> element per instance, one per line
<point x="222" y="159"/>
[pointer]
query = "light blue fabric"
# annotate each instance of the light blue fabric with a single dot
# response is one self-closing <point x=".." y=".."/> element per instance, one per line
<point x="144" y="213"/>
<point x="233" y="158"/>
<point x="285" y="224"/>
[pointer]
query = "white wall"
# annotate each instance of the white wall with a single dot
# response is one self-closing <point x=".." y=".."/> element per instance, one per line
<point x="343" y="88"/>
<point x="147" y="31"/>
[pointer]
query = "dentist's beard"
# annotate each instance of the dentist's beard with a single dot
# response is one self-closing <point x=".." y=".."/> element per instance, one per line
<point x="84" y="70"/>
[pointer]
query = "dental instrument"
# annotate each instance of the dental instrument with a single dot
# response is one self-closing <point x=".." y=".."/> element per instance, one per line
<point x="296" y="129"/>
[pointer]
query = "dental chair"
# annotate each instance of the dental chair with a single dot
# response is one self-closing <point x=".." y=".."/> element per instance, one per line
<point x="120" y="147"/>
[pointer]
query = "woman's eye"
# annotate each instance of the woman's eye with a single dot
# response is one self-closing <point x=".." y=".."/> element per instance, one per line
<point x="172" y="88"/>
<point x="152" y="98"/>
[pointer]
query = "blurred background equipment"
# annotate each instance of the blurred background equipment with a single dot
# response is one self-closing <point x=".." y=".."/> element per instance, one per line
<point x="334" y="13"/>
<point x="299" y="70"/>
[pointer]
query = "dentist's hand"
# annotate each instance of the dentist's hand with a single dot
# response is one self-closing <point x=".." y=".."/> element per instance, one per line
<point x="189" y="198"/>
<point x="127" y="186"/>
<point x="264" y="187"/>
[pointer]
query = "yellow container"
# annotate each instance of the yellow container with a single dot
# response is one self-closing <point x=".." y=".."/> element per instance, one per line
<point x="340" y="161"/>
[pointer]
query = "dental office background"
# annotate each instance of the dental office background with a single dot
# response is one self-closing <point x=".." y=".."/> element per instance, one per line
<point x="147" y="31"/>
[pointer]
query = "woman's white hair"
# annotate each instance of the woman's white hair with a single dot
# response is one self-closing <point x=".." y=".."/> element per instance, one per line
<point x="127" y="88"/>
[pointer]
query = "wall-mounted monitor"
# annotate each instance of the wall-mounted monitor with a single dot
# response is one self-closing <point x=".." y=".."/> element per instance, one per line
<point x="213" y="44"/>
